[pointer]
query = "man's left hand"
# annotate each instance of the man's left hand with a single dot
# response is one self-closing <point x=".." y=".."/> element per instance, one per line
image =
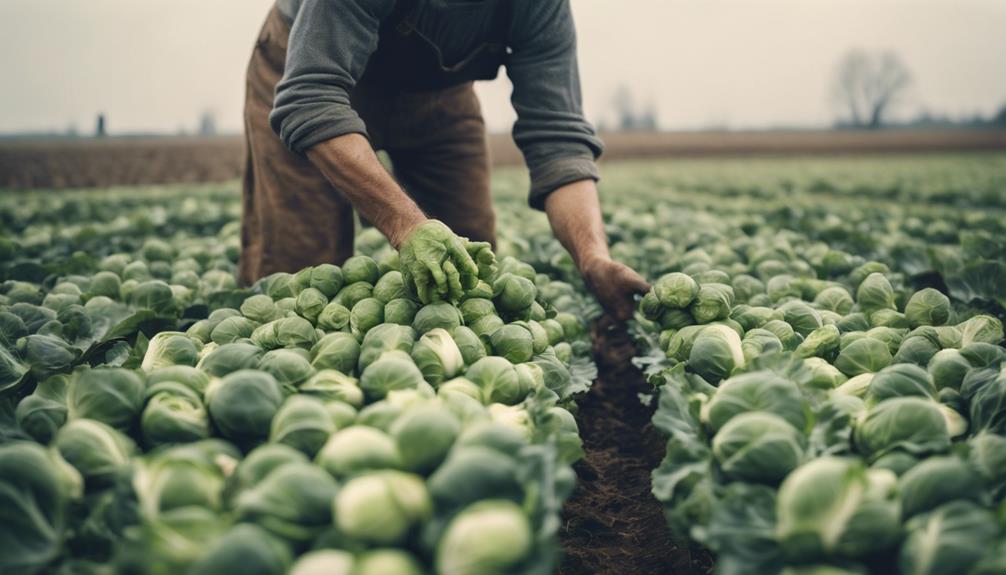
<point x="613" y="284"/>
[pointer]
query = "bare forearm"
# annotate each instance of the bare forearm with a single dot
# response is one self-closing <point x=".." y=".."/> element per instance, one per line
<point x="575" y="214"/>
<point x="349" y="163"/>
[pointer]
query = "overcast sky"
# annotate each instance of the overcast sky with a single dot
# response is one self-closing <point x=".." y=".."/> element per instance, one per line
<point x="153" y="65"/>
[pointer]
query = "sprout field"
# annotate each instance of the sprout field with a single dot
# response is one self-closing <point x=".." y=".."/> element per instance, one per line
<point x="815" y="384"/>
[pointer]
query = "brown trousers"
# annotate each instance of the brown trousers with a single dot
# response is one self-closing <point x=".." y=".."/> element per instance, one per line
<point x="292" y="217"/>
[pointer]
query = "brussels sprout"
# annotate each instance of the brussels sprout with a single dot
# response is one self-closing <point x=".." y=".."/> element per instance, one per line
<point x="303" y="423"/>
<point x="325" y="562"/>
<point x="294" y="502"/>
<point x="463" y="386"/>
<point x="229" y="358"/>
<point x="491" y="536"/>
<point x="981" y="328"/>
<point x="349" y="295"/>
<point x="391" y="286"/>
<point x="875" y="293"/>
<point x="857" y="386"/>
<point x="497" y="379"/>
<point x="383" y="561"/>
<point x="329" y="384"/>
<point x="746" y="287"/>
<point x="948" y="368"/>
<point x="110" y="395"/>
<point x="892" y="337"/>
<point x="897" y="462"/>
<point x="513" y="293"/>
<point x="174" y="414"/>
<point x="835" y="507"/>
<point x="382" y="507"/>
<point x="752" y="317"/>
<point x="232" y="329"/>
<point x="156" y="296"/>
<point x="469" y="345"/>
<point x="393" y="370"/>
<point x="243" y="403"/>
<point x="713" y="302"/>
<point x="822" y="375"/>
<point x="436" y="315"/>
<point x="246" y="548"/>
<point x="900" y="380"/>
<point x="334" y="317"/>
<point x="191" y="377"/>
<point x="277" y="286"/>
<point x="951" y="539"/>
<point x="339" y="351"/>
<point x="40" y="488"/>
<point x="917" y="350"/>
<point x="385" y="337"/>
<point x="758" y="446"/>
<point x="782" y="288"/>
<point x="262" y="461"/>
<point x="981" y="354"/>
<point x="650" y="306"/>
<point x="928" y="307"/>
<point x="42" y="413"/>
<point x="715" y="352"/>
<point x="360" y="269"/>
<point x="356" y="449"/>
<point x="327" y="279"/>
<point x="936" y="481"/>
<point x="866" y="355"/>
<point x="572" y="326"/>
<point x="834" y="298"/>
<point x="259" y="308"/>
<point x="784" y="332"/>
<point x="310" y="303"/>
<point x="888" y="318"/>
<point x="45" y="354"/>
<point x="438" y="356"/>
<point x="757" y="391"/>
<point x="910" y="424"/>
<point x="675" y="290"/>
<point x="367" y="314"/>
<point x="513" y="342"/>
<point x="105" y="284"/>
<point x="822" y="342"/>
<point x="758" y="342"/>
<point x="94" y="449"/>
<point x="401" y="312"/>
<point x="424" y="435"/>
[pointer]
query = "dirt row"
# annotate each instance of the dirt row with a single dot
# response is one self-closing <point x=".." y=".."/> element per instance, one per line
<point x="612" y="524"/>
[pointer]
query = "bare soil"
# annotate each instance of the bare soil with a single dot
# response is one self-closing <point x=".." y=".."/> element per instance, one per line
<point x="129" y="161"/>
<point x="612" y="524"/>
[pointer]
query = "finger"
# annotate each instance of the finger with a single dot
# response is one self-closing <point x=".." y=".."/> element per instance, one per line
<point x="463" y="262"/>
<point x="453" y="281"/>
<point x="439" y="279"/>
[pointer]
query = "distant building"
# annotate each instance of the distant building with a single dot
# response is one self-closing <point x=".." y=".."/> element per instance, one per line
<point x="99" y="129"/>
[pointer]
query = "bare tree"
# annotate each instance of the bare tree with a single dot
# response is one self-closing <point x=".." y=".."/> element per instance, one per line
<point x="868" y="85"/>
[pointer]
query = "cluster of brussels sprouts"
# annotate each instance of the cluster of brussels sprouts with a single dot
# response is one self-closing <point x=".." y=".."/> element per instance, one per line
<point x="328" y="420"/>
<point x="840" y="422"/>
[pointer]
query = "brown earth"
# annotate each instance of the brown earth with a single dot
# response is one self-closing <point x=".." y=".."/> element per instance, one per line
<point x="56" y="163"/>
<point x="612" y="524"/>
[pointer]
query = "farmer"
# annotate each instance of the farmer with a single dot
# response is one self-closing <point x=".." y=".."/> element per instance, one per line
<point x="331" y="81"/>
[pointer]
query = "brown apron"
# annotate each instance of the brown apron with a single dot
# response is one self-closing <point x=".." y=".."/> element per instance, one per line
<point x="419" y="111"/>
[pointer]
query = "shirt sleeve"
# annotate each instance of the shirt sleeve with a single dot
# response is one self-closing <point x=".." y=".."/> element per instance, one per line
<point x="330" y="44"/>
<point x="558" y="143"/>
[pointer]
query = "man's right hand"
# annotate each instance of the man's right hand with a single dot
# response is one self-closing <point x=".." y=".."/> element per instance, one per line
<point x="436" y="264"/>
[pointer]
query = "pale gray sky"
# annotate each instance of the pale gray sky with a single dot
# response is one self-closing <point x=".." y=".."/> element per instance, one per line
<point x="155" y="64"/>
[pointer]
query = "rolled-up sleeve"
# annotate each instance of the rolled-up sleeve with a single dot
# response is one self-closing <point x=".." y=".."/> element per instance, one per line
<point x="330" y="44"/>
<point x="558" y="143"/>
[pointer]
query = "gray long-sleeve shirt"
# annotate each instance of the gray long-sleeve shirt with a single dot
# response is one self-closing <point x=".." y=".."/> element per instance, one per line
<point x="331" y="42"/>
